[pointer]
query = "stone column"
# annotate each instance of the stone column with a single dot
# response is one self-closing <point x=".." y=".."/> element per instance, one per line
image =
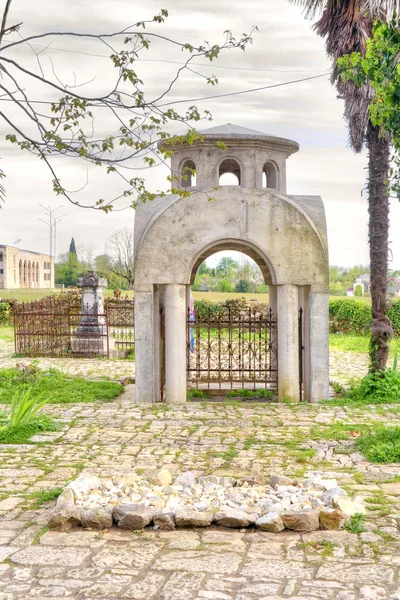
<point x="288" y="343"/>
<point x="319" y="346"/>
<point x="175" y="343"/>
<point x="145" y="351"/>
<point x="273" y="302"/>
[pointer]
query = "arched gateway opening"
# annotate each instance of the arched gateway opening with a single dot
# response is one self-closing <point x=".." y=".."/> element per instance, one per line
<point x="287" y="345"/>
<point x="232" y="345"/>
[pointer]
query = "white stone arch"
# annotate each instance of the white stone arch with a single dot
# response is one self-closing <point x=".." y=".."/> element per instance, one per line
<point x="230" y="165"/>
<point x="290" y="232"/>
<point x="244" y="246"/>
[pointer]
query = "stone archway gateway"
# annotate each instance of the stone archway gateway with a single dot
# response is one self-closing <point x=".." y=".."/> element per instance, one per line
<point x="284" y="234"/>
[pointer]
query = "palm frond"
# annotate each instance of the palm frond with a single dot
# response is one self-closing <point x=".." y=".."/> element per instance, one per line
<point x="313" y="7"/>
<point x="384" y="10"/>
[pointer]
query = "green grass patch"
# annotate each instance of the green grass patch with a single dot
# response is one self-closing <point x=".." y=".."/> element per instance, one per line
<point x="351" y="342"/>
<point x="7" y="333"/>
<point x="356" y="524"/>
<point x="196" y="394"/>
<point x="42" y="496"/>
<point x="339" y="431"/>
<point x="249" y="442"/>
<point x="60" y="388"/>
<point x="381" y="445"/>
<point x="21" y="434"/>
<point x="259" y="393"/>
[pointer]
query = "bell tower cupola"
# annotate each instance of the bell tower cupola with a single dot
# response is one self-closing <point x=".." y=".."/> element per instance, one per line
<point x="254" y="158"/>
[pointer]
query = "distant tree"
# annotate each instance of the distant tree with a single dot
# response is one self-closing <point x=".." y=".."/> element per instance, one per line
<point x="102" y="268"/>
<point x="120" y="255"/>
<point x="68" y="270"/>
<point x="243" y="286"/>
<point x="72" y="247"/>
<point x="204" y="269"/>
<point x="226" y="267"/>
<point x="225" y="285"/>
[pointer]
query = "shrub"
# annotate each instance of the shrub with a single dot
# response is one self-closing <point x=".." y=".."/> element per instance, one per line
<point x="381" y="387"/>
<point x="207" y="310"/>
<point x="243" y="287"/>
<point x="6" y="312"/>
<point x="381" y="445"/>
<point x="347" y="316"/>
<point x="225" y="285"/>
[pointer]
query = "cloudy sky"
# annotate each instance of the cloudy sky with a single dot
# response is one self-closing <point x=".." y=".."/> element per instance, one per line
<point x="285" y="48"/>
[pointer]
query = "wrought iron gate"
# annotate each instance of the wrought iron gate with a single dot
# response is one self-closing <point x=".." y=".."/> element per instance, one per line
<point x="231" y="349"/>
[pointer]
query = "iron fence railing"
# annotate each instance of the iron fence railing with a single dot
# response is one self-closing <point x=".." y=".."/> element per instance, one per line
<point x="58" y="329"/>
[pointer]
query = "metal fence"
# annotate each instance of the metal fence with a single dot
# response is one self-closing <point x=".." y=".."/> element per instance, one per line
<point x="227" y="350"/>
<point x="50" y="327"/>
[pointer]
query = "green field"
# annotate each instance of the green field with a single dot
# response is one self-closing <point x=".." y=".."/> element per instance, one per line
<point x="29" y="295"/>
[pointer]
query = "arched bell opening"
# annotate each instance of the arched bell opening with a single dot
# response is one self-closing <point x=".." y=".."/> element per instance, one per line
<point x="229" y="172"/>
<point x="270" y="176"/>
<point x="188" y="174"/>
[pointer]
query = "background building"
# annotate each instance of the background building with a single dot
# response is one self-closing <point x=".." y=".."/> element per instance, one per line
<point x="25" y="269"/>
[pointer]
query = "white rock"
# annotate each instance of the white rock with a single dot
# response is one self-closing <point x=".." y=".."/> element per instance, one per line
<point x="164" y="477"/>
<point x="332" y="495"/>
<point x="270" y="522"/>
<point x="350" y="506"/>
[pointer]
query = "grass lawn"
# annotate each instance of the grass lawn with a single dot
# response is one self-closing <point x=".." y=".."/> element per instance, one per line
<point x="26" y="295"/>
<point x="7" y="333"/>
<point x="348" y="342"/>
<point x="221" y="296"/>
<point x="57" y="387"/>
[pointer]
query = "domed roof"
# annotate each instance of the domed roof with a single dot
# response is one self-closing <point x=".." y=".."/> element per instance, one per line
<point x="230" y="131"/>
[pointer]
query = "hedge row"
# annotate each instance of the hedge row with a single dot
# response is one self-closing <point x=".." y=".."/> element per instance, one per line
<point x="351" y="316"/>
<point x="345" y="316"/>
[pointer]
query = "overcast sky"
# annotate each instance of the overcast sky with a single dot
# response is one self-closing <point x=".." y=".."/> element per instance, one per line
<point x="285" y="48"/>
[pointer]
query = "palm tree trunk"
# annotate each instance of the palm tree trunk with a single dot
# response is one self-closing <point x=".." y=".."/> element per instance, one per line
<point x="381" y="327"/>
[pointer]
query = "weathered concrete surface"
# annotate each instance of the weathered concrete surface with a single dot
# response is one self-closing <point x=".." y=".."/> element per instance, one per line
<point x="285" y="235"/>
<point x="107" y="439"/>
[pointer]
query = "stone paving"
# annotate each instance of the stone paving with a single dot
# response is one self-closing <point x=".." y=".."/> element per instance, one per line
<point x="228" y="438"/>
